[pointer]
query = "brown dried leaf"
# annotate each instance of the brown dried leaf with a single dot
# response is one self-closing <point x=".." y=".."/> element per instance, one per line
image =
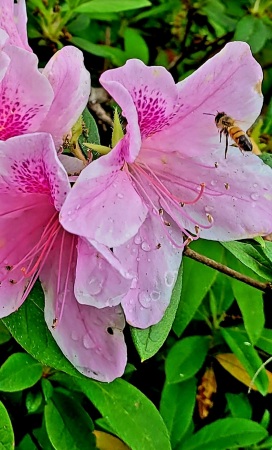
<point x="105" y="441"/>
<point x="205" y="390"/>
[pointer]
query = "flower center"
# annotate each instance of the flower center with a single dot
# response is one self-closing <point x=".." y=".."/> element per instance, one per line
<point x="162" y="202"/>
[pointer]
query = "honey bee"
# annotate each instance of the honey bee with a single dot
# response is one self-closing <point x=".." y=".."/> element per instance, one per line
<point x="227" y="126"/>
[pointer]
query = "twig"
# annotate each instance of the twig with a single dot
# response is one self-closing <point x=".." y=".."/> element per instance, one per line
<point x="227" y="271"/>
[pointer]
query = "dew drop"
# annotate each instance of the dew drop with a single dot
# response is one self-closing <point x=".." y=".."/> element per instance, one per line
<point x="77" y="207"/>
<point x="255" y="185"/>
<point x="155" y="295"/>
<point x="248" y="344"/>
<point x="94" y="286"/>
<point x="88" y="342"/>
<point x="144" y="299"/>
<point x="137" y="240"/>
<point x="74" y="335"/>
<point x="138" y="259"/>
<point x="209" y="209"/>
<point x="134" y="285"/>
<point x="119" y="195"/>
<point x="145" y="247"/>
<point x="254" y="196"/>
<point x="213" y="182"/>
<point x="170" y="278"/>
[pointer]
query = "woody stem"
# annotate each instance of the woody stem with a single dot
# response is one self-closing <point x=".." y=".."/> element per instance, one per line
<point x="265" y="287"/>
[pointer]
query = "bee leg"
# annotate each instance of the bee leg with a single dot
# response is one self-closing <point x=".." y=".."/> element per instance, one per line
<point x="221" y="131"/>
<point x="227" y="144"/>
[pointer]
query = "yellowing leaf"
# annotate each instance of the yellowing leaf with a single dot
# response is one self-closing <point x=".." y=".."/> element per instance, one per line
<point x="232" y="364"/>
<point x="105" y="441"/>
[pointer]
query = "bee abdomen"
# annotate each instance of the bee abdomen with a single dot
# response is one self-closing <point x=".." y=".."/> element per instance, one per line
<point x="241" y="139"/>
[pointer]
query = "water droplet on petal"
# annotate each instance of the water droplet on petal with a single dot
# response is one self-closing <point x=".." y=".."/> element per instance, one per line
<point x="134" y="285"/>
<point x="254" y="196"/>
<point x="95" y="286"/>
<point x="119" y="195"/>
<point x="145" y="247"/>
<point x="74" y="335"/>
<point x="138" y="259"/>
<point x="170" y="278"/>
<point x="255" y="185"/>
<point x="213" y="182"/>
<point x="155" y="295"/>
<point x="137" y="240"/>
<point x="144" y="299"/>
<point x="88" y="342"/>
<point x="209" y="209"/>
<point x="77" y="207"/>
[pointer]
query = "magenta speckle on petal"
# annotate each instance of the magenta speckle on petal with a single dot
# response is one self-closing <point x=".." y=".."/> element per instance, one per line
<point x="30" y="176"/>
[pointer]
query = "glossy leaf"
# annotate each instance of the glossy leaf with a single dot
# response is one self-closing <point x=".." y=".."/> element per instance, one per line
<point x="6" y="431"/>
<point x="177" y="406"/>
<point x="115" y="55"/>
<point x="131" y="415"/>
<point x="27" y="444"/>
<point x="197" y="280"/>
<point x="68" y="425"/>
<point x="20" y="371"/>
<point x="148" y="341"/>
<point x="247" y="355"/>
<point x="108" y="6"/>
<point x="239" y="405"/>
<point x="265" y="341"/>
<point x="135" y="45"/>
<point x="186" y="358"/>
<point x="225" y="434"/>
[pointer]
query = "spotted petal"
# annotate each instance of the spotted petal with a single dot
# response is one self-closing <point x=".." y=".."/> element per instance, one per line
<point x="13" y="20"/>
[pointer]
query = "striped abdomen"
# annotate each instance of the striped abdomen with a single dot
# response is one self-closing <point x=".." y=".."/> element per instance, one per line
<point x="240" y="138"/>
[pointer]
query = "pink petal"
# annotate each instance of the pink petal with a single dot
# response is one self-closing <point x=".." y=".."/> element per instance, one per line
<point x="13" y="21"/>
<point x="238" y="197"/>
<point x="155" y="262"/>
<point x="73" y="166"/>
<point x="26" y="94"/>
<point x="22" y="220"/>
<point x="29" y="164"/>
<point x="103" y="205"/>
<point x="98" y="283"/>
<point x="21" y="21"/>
<point x="90" y="338"/>
<point x="229" y="82"/>
<point x="146" y="95"/>
<point x="71" y="84"/>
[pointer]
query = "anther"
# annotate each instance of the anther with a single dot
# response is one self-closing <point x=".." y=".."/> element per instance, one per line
<point x="160" y="211"/>
<point x="227" y="186"/>
<point x="12" y="281"/>
<point x="197" y="229"/>
<point x="216" y="164"/>
<point x="182" y="204"/>
<point x="158" y="246"/>
<point x="210" y="218"/>
<point x="8" y="268"/>
<point x="168" y="224"/>
<point x="55" y="323"/>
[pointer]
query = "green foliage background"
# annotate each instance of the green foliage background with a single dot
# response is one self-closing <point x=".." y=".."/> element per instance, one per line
<point x="44" y="402"/>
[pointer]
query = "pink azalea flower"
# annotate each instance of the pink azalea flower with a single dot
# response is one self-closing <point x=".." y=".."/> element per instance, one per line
<point x="33" y="186"/>
<point x="31" y="100"/>
<point x="168" y="177"/>
<point x="13" y="20"/>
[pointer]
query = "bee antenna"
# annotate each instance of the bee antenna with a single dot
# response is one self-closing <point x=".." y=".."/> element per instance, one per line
<point x="209" y="114"/>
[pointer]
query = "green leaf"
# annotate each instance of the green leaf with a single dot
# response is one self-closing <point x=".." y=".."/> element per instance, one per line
<point x="135" y="45"/>
<point x="266" y="157"/>
<point x="252" y="30"/>
<point x="90" y="131"/>
<point x="4" y="333"/>
<point x="6" y="431"/>
<point x="28" y="327"/>
<point x="129" y="413"/>
<point x="247" y="355"/>
<point x="26" y="444"/>
<point x="150" y="340"/>
<point x="34" y="402"/>
<point x="68" y="425"/>
<point x="239" y="405"/>
<point x="197" y="280"/>
<point x="177" y="407"/>
<point x="265" y="420"/>
<point x="265" y="341"/>
<point x="115" y="55"/>
<point x="20" y="371"/>
<point x="252" y="256"/>
<point x="108" y="6"/>
<point x="186" y="358"/>
<point x="225" y="434"/>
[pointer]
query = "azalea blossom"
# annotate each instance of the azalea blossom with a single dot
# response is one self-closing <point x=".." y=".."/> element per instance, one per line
<point x="33" y="186"/>
<point x="13" y="20"/>
<point x="167" y="181"/>
<point x="50" y="100"/>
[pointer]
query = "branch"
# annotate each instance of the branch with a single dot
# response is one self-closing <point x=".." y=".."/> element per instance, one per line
<point x="265" y="287"/>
